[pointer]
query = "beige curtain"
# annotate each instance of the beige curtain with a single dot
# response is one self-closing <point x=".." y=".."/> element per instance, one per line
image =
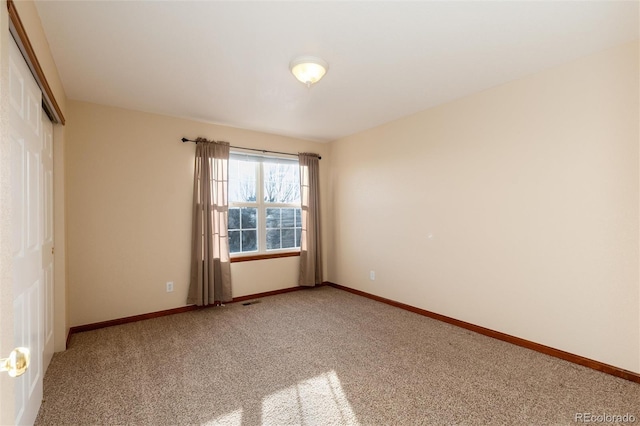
<point x="310" y="242"/>
<point x="210" y="264"/>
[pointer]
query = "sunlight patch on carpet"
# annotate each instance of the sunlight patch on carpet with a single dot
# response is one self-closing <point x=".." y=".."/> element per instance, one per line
<point x="230" y="419"/>
<point x="319" y="400"/>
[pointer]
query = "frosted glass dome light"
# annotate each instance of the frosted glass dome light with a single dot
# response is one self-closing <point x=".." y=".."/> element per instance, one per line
<point x="308" y="69"/>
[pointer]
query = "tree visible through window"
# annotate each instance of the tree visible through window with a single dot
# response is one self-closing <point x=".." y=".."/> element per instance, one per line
<point x="264" y="204"/>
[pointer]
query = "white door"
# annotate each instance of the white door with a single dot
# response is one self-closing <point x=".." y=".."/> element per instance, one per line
<point x="27" y="199"/>
<point x="47" y="243"/>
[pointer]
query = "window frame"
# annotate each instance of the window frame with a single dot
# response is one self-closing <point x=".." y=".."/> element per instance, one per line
<point x="261" y="207"/>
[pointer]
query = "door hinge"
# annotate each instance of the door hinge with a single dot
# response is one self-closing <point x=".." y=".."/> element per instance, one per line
<point x="51" y="250"/>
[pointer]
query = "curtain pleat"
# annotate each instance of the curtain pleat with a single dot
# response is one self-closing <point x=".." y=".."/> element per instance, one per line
<point x="310" y="241"/>
<point x="210" y="280"/>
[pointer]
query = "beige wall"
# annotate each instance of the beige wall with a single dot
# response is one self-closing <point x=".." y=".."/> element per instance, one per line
<point x="515" y="209"/>
<point x="129" y="189"/>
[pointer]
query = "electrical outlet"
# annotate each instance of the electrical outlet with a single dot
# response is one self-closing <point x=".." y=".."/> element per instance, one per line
<point x="169" y="286"/>
<point x="372" y="275"/>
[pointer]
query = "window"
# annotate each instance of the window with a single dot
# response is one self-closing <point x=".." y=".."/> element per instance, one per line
<point x="264" y="204"/>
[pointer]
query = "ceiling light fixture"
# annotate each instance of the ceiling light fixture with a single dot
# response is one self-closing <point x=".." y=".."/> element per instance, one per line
<point x="308" y="69"/>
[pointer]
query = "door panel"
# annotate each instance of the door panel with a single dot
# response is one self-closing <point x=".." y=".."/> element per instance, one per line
<point x="28" y="221"/>
<point x="17" y="185"/>
<point x="34" y="213"/>
<point x="47" y="238"/>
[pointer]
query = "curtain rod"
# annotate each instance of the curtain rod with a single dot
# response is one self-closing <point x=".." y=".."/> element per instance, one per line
<point x="264" y="151"/>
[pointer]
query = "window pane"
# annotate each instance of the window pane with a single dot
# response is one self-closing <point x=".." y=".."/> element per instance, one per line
<point x="273" y="239"/>
<point x="282" y="230"/>
<point x="242" y="180"/>
<point x="298" y="217"/>
<point x="288" y="238"/>
<point x="249" y="217"/>
<point x="249" y="240"/>
<point x="234" y="241"/>
<point x="287" y="218"/>
<point x="281" y="182"/>
<point x="234" y="218"/>
<point x="273" y="218"/>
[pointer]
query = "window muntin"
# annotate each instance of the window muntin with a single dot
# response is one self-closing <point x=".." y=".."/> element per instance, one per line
<point x="264" y="205"/>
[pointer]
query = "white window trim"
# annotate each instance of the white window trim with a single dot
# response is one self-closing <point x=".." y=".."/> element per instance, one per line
<point x="262" y="206"/>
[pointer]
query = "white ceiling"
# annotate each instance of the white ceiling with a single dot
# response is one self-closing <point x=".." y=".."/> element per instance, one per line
<point x="227" y="62"/>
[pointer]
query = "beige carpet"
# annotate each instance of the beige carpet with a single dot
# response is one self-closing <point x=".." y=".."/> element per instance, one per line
<point x="316" y="357"/>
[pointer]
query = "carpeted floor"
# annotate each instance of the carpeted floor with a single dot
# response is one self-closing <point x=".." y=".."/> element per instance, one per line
<point x="316" y="357"/>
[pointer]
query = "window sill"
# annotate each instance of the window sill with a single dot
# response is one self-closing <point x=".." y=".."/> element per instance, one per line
<point x="264" y="256"/>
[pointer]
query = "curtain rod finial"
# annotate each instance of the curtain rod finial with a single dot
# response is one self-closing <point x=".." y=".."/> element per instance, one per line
<point x="185" y="140"/>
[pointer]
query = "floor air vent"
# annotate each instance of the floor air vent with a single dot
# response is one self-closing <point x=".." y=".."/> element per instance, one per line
<point x="253" y="302"/>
